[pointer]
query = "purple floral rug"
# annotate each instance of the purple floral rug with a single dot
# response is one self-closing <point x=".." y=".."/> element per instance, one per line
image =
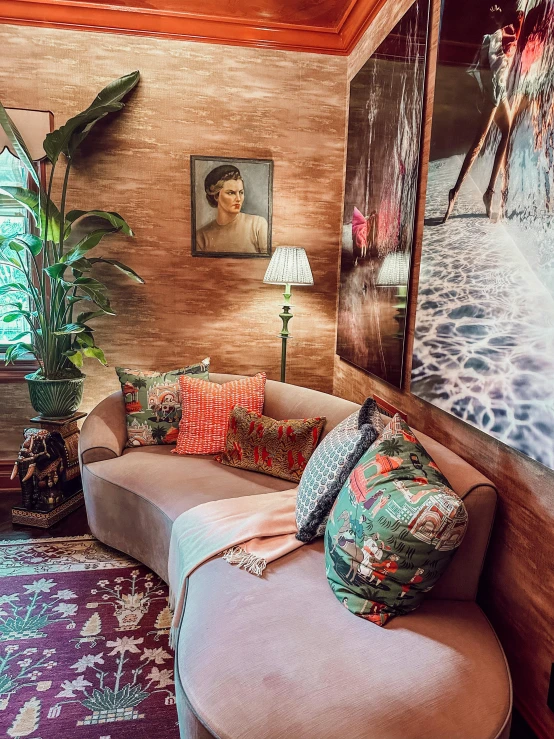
<point x="83" y="644"/>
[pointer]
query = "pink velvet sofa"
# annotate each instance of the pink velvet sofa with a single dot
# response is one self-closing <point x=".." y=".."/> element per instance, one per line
<point x="273" y="657"/>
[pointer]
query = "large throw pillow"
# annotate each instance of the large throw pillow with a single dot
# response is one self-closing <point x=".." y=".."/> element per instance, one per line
<point x="394" y="528"/>
<point x="278" y="448"/>
<point x="207" y="407"/>
<point x="153" y="402"/>
<point x="332" y="462"/>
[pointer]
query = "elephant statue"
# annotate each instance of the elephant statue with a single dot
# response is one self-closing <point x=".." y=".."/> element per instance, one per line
<point x="41" y="466"/>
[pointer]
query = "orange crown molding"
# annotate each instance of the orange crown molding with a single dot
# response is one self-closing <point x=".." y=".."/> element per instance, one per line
<point x="105" y="18"/>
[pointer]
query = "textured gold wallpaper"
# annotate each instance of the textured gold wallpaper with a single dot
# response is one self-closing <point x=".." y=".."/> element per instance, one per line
<point x="194" y="98"/>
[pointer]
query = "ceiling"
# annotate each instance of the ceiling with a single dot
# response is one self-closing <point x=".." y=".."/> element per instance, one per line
<point x="321" y="26"/>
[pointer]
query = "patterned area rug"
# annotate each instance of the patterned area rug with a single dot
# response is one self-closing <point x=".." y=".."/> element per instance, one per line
<point x="83" y="644"/>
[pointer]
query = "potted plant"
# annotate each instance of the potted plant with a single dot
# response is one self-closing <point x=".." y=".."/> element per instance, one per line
<point x="56" y="292"/>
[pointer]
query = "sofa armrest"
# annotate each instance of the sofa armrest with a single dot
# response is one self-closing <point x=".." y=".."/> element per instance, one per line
<point x="104" y="432"/>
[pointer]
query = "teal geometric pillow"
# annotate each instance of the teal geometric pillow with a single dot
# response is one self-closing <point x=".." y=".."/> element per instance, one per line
<point x="395" y="526"/>
<point x="153" y="402"/>
<point x="330" y="465"/>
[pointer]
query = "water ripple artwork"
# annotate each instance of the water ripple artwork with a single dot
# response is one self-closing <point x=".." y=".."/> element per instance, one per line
<point x="484" y="344"/>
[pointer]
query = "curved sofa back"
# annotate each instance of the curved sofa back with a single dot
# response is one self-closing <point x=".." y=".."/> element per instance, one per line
<point x="291" y="401"/>
<point x="103" y="436"/>
<point x="479" y="494"/>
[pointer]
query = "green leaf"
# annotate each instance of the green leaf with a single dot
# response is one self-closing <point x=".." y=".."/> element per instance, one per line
<point x="20" y="336"/>
<point x="81" y="265"/>
<point x="86" y="244"/>
<point x="95" y="353"/>
<point x="75" y="356"/>
<point x="11" y="317"/>
<point x="19" y="145"/>
<point x="120" y="266"/>
<point x="86" y="339"/>
<point x="14" y="287"/>
<point x="114" y="218"/>
<point x="94" y="289"/>
<point x="88" y="315"/>
<point x="56" y="270"/>
<point x="70" y="328"/>
<point x="72" y="299"/>
<point x="30" y="200"/>
<point x="16" y="350"/>
<point x="28" y="241"/>
<point x="68" y="137"/>
<point x="11" y="261"/>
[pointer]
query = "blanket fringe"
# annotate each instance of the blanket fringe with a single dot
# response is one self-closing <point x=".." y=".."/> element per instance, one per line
<point x="172" y="637"/>
<point x="249" y="562"/>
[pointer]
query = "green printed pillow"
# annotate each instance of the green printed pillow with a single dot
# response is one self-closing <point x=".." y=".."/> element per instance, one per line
<point x="153" y="402"/>
<point x="395" y="526"/>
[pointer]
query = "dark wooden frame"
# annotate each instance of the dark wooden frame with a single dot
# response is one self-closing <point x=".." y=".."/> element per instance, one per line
<point x="230" y="160"/>
<point x="429" y="74"/>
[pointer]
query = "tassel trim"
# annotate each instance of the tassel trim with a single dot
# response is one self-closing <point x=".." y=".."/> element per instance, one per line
<point x="173" y="637"/>
<point x="249" y="562"/>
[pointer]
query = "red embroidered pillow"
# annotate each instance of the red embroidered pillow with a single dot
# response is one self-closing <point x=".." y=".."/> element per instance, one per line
<point x="278" y="448"/>
<point x="206" y="412"/>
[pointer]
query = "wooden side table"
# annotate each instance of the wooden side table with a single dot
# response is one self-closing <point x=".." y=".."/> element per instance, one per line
<point x="68" y="490"/>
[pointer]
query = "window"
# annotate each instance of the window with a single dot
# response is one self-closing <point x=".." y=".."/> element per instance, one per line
<point x="13" y="220"/>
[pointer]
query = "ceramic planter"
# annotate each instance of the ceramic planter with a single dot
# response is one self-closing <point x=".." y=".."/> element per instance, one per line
<point x="55" y="398"/>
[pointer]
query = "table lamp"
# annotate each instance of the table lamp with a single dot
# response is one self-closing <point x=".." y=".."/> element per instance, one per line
<point x="395" y="272"/>
<point x="288" y="266"/>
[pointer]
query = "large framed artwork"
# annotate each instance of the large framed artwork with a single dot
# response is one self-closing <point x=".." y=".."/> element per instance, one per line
<point x="384" y="126"/>
<point x="231" y="206"/>
<point x="484" y="342"/>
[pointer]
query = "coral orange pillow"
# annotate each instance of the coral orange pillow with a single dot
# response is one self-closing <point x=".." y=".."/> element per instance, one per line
<point x="203" y="426"/>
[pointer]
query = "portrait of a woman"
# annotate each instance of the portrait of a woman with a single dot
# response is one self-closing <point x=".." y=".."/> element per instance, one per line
<point x="231" y="231"/>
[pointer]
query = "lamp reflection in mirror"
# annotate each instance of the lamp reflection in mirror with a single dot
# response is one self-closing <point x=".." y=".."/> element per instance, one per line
<point x="395" y="272"/>
<point x="288" y="266"/>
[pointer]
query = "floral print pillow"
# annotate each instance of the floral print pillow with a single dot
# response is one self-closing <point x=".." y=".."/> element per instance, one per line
<point x="395" y="526"/>
<point x="153" y="402"/>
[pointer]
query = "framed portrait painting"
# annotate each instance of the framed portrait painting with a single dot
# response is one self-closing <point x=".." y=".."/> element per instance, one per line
<point x="231" y="207"/>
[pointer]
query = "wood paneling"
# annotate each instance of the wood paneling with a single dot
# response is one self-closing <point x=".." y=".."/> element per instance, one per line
<point x="383" y="21"/>
<point x="194" y="99"/>
<point x="15" y="412"/>
<point x="322" y="26"/>
<point x="518" y="580"/>
<point x="6" y="484"/>
<point x="16" y="371"/>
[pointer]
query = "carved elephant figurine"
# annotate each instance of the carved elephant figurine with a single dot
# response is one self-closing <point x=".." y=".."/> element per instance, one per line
<point x="41" y="467"/>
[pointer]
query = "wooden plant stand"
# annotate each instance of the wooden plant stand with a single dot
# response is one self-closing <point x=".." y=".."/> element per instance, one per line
<point x="43" y="515"/>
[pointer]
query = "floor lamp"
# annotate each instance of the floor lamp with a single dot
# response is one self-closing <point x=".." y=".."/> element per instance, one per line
<point x="395" y="272"/>
<point x="289" y="266"/>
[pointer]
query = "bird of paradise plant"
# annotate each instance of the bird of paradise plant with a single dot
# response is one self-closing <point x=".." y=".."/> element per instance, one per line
<point x="52" y="260"/>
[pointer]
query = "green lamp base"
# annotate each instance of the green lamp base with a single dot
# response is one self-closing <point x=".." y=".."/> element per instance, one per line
<point x="285" y="317"/>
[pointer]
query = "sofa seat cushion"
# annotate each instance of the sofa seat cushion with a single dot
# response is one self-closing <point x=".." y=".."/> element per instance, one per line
<point x="133" y="500"/>
<point x="311" y="669"/>
<point x="176" y="484"/>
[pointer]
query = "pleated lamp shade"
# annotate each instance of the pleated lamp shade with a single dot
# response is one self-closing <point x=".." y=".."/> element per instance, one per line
<point x="289" y="265"/>
<point x="394" y="270"/>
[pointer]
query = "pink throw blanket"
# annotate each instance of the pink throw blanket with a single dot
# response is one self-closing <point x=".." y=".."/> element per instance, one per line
<point x="250" y="531"/>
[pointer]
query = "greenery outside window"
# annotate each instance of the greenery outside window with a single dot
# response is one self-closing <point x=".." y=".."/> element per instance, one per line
<point x="13" y="221"/>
